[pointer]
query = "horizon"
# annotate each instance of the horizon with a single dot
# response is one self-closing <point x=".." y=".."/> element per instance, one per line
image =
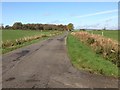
<point x="86" y="15"/>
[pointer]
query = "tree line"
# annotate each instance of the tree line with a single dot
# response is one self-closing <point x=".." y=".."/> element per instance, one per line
<point x="20" y="26"/>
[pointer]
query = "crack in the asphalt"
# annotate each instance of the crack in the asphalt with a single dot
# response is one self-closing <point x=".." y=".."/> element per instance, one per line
<point x="10" y="79"/>
<point x="24" y="52"/>
<point x="38" y="48"/>
<point x="59" y="82"/>
<point x="46" y="85"/>
<point x="32" y="80"/>
<point x="33" y="86"/>
<point x="49" y="40"/>
<point x="21" y="54"/>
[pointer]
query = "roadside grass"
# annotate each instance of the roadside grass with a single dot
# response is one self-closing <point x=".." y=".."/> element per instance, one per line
<point x="83" y="57"/>
<point x="107" y="33"/>
<point x="19" y="35"/>
<point x="6" y="50"/>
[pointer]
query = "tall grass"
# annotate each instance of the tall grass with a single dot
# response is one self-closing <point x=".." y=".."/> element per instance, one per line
<point x="106" y="47"/>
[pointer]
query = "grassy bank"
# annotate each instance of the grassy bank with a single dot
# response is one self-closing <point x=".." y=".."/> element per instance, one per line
<point x="6" y="50"/>
<point x="83" y="57"/>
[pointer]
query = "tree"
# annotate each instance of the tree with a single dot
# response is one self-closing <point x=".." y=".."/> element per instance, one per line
<point x="33" y="26"/>
<point x="17" y="25"/>
<point x="24" y="27"/>
<point x="70" y="26"/>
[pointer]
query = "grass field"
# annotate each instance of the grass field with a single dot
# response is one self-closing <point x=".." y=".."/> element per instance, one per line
<point x="16" y="34"/>
<point x="13" y="35"/>
<point x="107" y="33"/>
<point x="83" y="57"/>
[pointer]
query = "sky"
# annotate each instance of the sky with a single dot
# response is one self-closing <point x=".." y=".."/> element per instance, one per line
<point x="88" y="15"/>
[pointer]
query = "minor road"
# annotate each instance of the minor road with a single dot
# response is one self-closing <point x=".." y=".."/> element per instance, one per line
<point x="46" y="65"/>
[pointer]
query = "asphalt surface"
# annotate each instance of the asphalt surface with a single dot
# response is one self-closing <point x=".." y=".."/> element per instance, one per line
<point x="47" y="65"/>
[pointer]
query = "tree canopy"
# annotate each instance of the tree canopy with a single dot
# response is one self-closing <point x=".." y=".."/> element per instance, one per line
<point x="33" y="26"/>
<point x="70" y="26"/>
<point x="17" y="25"/>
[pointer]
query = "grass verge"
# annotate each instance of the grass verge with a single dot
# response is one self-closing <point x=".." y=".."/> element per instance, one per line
<point x="83" y="57"/>
<point x="6" y="50"/>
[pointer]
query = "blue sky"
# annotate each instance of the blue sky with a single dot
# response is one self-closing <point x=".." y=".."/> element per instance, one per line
<point x="81" y="14"/>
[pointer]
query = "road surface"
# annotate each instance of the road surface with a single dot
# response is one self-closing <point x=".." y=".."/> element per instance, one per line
<point x="47" y="65"/>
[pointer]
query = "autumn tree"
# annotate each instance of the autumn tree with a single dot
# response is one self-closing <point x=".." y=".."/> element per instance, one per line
<point x="33" y="26"/>
<point x="17" y="25"/>
<point x="70" y="27"/>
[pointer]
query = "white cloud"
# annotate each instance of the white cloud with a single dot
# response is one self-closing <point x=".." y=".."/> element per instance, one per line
<point x="98" y="13"/>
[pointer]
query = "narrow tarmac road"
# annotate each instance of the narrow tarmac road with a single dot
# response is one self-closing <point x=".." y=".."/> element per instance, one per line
<point x="46" y="65"/>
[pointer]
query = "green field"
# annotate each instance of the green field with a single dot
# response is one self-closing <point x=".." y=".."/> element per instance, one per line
<point x="107" y="33"/>
<point x="12" y="35"/>
<point x="83" y="57"/>
<point x="16" y="34"/>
